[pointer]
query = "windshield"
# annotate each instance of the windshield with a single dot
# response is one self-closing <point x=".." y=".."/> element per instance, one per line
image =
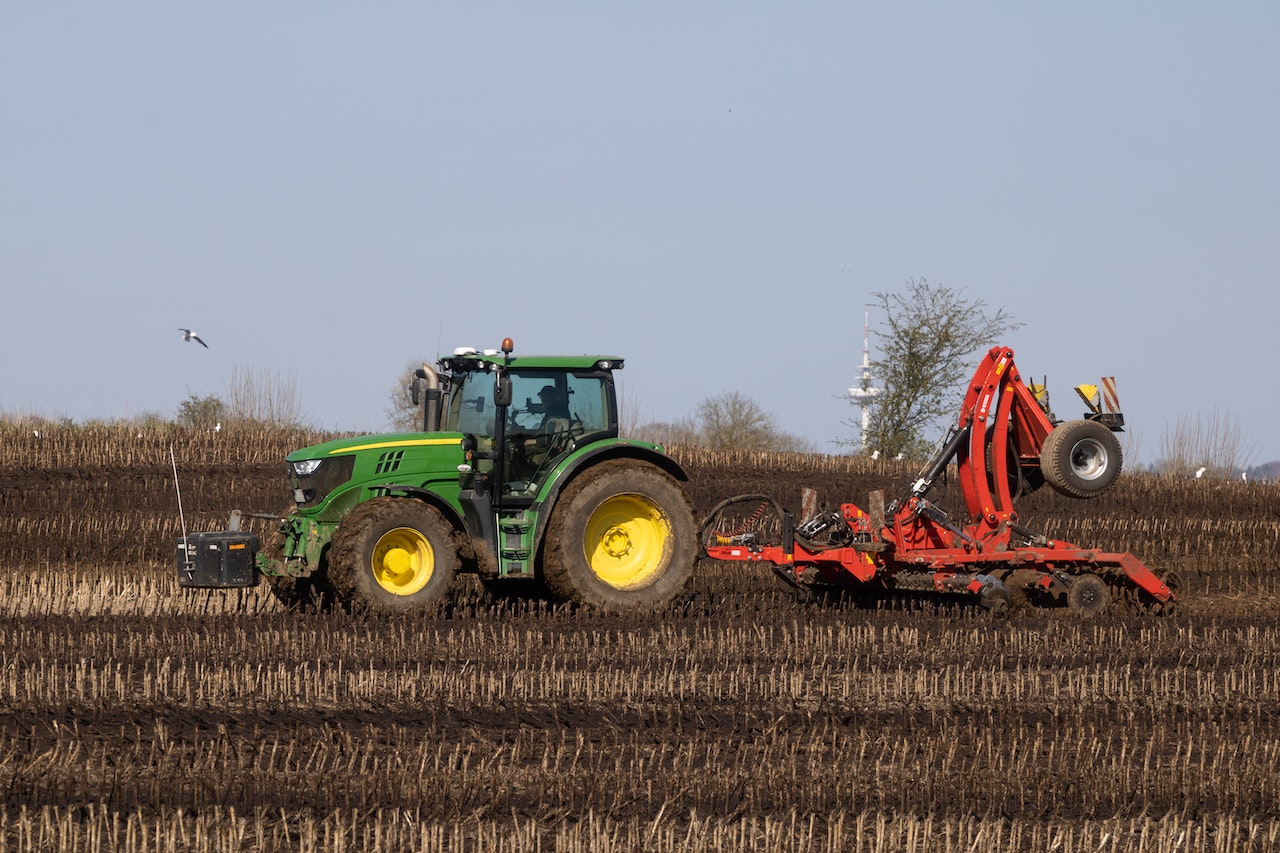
<point x="537" y="398"/>
<point x="550" y="411"/>
<point x="471" y="404"/>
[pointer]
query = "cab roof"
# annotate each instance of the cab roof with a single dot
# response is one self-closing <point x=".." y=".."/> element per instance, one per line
<point x="467" y="359"/>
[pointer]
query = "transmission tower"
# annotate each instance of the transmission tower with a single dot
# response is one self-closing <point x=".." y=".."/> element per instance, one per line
<point x="864" y="392"/>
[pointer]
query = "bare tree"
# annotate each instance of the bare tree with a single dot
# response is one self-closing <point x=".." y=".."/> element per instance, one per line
<point x="203" y="413"/>
<point x="928" y="337"/>
<point x="683" y="431"/>
<point x="262" y="396"/>
<point x="733" y="421"/>
<point x="401" y="413"/>
<point x="1215" y="443"/>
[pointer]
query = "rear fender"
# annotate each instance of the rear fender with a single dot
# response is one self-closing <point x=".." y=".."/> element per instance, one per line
<point x="578" y="463"/>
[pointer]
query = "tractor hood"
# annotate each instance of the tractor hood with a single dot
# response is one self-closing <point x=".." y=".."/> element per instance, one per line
<point x="379" y="442"/>
<point x="330" y="478"/>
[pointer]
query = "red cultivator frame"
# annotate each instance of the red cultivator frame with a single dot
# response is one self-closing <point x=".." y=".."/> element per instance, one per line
<point x="1005" y="442"/>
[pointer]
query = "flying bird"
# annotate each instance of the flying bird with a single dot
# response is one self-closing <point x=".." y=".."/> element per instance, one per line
<point x="188" y="335"/>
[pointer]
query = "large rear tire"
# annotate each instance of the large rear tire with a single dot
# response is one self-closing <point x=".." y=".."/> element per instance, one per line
<point x="1081" y="459"/>
<point x="393" y="556"/>
<point x="622" y="537"/>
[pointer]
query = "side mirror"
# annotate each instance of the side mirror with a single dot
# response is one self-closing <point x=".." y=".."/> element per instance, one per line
<point x="502" y="389"/>
<point x="415" y="387"/>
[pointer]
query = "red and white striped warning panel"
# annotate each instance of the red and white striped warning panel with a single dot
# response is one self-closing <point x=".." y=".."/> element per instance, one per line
<point x="1110" y="402"/>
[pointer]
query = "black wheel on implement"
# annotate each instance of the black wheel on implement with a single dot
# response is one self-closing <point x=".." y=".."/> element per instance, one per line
<point x="313" y="592"/>
<point x="393" y="556"/>
<point x="1081" y="459"/>
<point x="622" y="537"/>
<point x="1088" y="596"/>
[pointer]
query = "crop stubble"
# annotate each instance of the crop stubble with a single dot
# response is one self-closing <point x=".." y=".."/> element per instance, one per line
<point x="134" y="715"/>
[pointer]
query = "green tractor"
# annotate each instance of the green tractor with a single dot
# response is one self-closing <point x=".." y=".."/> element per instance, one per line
<point x="518" y="476"/>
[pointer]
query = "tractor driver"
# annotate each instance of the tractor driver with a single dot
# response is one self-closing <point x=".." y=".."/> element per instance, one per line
<point x="532" y="447"/>
<point x="552" y="405"/>
<point x="553" y="409"/>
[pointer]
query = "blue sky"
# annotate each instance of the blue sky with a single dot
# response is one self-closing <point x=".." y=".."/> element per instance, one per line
<point x="713" y="190"/>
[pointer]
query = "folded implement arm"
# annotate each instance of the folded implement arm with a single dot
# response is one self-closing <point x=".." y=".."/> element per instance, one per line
<point x="1005" y="442"/>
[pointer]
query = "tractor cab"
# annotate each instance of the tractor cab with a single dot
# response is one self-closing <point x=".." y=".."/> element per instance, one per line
<point x="521" y="419"/>
<point x="527" y="423"/>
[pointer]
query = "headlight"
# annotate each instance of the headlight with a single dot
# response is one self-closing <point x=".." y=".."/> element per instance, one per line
<point x="307" y="467"/>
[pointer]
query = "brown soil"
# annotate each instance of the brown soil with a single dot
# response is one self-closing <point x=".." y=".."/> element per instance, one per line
<point x="738" y="703"/>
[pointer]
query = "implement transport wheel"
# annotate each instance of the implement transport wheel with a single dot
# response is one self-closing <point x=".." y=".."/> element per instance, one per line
<point x="1088" y="596"/>
<point x="393" y="555"/>
<point x="621" y="537"/>
<point x="1081" y="459"/>
<point x="310" y="593"/>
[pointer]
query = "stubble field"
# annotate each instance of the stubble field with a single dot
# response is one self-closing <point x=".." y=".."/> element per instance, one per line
<point x="138" y="716"/>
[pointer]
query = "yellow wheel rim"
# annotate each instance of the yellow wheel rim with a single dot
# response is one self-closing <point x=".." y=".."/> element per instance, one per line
<point x="403" y="561"/>
<point x="626" y="541"/>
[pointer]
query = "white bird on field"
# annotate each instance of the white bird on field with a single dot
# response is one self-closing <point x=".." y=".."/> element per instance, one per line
<point x="1244" y="476"/>
<point x="188" y="335"/>
<point x="1200" y="471"/>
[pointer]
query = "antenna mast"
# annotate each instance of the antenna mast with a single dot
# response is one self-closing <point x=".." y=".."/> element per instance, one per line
<point x="863" y="393"/>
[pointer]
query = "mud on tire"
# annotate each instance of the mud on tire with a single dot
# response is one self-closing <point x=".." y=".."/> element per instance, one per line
<point x="622" y="537"/>
<point x="393" y="556"/>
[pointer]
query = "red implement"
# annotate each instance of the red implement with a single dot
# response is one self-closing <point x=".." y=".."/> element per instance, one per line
<point x="1005" y="442"/>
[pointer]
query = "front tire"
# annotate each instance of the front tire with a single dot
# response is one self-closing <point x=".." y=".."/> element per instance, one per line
<point x="622" y="537"/>
<point x="393" y="556"/>
<point x="1081" y="459"/>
